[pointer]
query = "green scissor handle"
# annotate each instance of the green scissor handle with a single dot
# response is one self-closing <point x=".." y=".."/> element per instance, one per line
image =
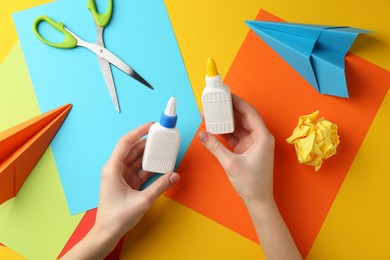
<point x="69" y="41"/>
<point x="100" y="19"/>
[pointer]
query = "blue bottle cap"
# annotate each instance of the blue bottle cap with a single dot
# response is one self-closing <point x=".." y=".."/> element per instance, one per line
<point x="168" y="118"/>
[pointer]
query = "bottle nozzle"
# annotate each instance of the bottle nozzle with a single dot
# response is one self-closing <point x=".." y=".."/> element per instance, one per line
<point x="212" y="70"/>
<point x="170" y="109"/>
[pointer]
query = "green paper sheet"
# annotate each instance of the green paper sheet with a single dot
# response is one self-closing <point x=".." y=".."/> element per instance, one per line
<point x="37" y="223"/>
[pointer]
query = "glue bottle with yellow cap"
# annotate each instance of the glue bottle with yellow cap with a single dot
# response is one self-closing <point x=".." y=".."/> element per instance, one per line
<point x="217" y="102"/>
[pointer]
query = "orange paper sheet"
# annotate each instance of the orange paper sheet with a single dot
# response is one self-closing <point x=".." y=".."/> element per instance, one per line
<point x="23" y="145"/>
<point x="281" y="95"/>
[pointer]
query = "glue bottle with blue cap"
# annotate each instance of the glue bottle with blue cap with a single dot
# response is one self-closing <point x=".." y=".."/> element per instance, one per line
<point x="163" y="142"/>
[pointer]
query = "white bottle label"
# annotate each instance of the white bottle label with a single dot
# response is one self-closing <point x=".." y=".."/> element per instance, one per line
<point x="161" y="149"/>
<point x="218" y="111"/>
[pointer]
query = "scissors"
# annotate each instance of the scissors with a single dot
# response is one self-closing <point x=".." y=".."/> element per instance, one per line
<point x="105" y="57"/>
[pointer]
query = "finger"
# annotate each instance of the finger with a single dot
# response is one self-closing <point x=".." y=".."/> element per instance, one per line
<point x="216" y="148"/>
<point x="135" y="175"/>
<point x="137" y="163"/>
<point x="135" y="151"/>
<point x="133" y="168"/>
<point x="231" y="139"/>
<point x="144" y="175"/>
<point x="161" y="185"/>
<point x="240" y="132"/>
<point x="250" y="119"/>
<point x="135" y="178"/>
<point x="240" y="121"/>
<point x="124" y="145"/>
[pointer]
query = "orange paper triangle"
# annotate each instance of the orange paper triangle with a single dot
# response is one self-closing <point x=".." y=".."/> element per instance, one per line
<point x="23" y="145"/>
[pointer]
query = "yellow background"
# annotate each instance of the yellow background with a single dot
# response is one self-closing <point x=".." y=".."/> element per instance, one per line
<point x="357" y="225"/>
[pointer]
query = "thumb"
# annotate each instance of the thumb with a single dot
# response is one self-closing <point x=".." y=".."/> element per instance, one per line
<point x="216" y="148"/>
<point x="161" y="185"/>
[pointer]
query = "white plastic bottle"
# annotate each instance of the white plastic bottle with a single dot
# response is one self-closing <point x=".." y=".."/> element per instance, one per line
<point x="217" y="102"/>
<point x="163" y="142"/>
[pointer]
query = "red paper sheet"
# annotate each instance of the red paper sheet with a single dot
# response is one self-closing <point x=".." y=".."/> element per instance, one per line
<point x="82" y="230"/>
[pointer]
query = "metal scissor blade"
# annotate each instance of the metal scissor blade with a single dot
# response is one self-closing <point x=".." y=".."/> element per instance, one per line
<point x="111" y="58"/>
<point x="136" y="76"/>
<point x="106" y="69"/>
<point x="117" y="62"/>
<point x="107" y="74"/>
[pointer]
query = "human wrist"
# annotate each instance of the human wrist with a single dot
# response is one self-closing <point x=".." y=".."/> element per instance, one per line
<point x="97" y="244"/>
<point x="263" y="204"/>
<point x="104" y="238"/>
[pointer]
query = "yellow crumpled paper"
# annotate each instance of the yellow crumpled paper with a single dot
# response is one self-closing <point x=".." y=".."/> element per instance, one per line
<point x="314" y="139"/>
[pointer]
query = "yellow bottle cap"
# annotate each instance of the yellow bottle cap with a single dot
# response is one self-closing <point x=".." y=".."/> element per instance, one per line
<point x="212" y="70"/>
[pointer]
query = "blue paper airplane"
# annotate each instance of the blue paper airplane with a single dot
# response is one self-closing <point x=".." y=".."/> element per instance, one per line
<point x="316" y="52"/>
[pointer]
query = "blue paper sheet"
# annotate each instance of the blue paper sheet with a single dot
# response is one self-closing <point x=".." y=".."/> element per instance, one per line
<point x="140" y="33"/>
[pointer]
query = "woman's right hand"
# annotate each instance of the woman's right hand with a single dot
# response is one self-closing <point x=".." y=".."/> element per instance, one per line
<point x="250" y="166"/>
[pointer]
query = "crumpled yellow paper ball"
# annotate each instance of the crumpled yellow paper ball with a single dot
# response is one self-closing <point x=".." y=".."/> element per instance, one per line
<point x="314" y="139"/>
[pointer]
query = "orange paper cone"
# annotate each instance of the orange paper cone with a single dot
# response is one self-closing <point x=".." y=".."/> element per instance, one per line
<point x="22" y="146"/>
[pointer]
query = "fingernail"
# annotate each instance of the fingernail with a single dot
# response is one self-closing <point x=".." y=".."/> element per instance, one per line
<point x="174" y="178"/>
<point x="203" y="136"/>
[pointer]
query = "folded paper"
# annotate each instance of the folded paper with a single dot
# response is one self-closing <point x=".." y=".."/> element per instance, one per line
<point x="23" y="145"/>
<point x="314" y="139"/>
<point x="316" y="52"/>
